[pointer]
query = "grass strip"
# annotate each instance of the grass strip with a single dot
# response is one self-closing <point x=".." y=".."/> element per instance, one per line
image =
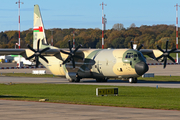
<point x="138" y="97"/>
<point x="162" y="78"/>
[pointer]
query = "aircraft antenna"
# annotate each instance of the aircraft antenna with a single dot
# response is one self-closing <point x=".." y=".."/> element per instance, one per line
<point x="103" y="24"/>
<point x="19" y="21"/>
<point x="176" y="30"/>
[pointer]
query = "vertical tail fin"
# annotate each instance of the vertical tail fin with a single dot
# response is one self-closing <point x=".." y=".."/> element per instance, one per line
<point x="38" y="30"/>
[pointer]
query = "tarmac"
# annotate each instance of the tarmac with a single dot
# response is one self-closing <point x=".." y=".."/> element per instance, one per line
<point x="58" y="80"/>
<point x="23" y="110"/>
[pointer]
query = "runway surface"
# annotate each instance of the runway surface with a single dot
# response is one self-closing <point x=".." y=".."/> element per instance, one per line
<point x="58" y="80"/>
<point x="45" y="111"/>
<point x="16" y="110"/>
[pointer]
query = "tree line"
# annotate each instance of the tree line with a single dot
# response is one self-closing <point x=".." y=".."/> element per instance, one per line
<point x="117" y="37"/>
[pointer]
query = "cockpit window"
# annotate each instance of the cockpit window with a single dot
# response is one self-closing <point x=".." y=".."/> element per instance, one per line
<point x="133" y="56"/>
<point x="129" y="55"/>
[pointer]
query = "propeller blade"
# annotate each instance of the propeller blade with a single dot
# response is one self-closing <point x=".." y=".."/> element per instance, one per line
<point x="30" y="57"/>
<point x="131" y="45"/>
<point x="45" y="49"/>
<point x="37" y="61"/>
<point x="165" y="54"/>
<point x="165" y="61"/>
<point x="172" y="50"/>
<point x="171" y="58"/>
<point x="160" y="49"/>
<point x="77" y="48"/>
<point x="78" y="57"/>
<point x="64" y="52"/>
<point x="66" y="60"/>
<point x="159" y="57"/>
<point x="140" y="47"/>
<point x="70" y="48"/>
<point x="44" y="58"/>
<point x="73" y="62"/>
<point x="71" y="54"/>
<point x="31" y="48"/>
<point x="166" y="45"/>
<point x="37" y="53"/>
<point x="38" y="45"/>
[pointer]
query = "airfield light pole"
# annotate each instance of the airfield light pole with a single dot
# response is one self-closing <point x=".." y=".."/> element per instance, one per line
<point x="19" y="44"/>
<point x="19" y="21"/>
<point x="73" y="40"/>
<point x="103" y="24"/>
<point x="176" y="30"/>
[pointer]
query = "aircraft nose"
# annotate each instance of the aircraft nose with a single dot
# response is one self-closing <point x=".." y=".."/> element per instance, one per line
<point x="141" y="68"/>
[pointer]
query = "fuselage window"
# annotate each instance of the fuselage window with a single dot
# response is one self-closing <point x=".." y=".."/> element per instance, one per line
<point x="135" y="55"/>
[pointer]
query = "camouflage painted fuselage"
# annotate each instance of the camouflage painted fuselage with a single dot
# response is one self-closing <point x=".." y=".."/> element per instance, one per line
<point x="98" y="63"/>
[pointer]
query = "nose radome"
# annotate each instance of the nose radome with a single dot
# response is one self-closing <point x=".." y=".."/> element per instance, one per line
<point x="141" y="68"/>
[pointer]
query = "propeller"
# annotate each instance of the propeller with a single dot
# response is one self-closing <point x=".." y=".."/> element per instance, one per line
<point x="37" y="53"/>
<point x="71" y="54"/>
<point x="165" y="54"/>
<point x="138" y="47"/>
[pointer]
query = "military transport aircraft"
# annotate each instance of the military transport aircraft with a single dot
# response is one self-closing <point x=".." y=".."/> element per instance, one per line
<point x="99" y="64"/>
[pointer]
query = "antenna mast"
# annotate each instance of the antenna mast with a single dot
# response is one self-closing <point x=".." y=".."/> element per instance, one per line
<point x="19" y="21"/>
<point x="103" y="24"/>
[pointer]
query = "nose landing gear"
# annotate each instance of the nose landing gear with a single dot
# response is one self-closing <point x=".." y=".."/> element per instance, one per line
<point x="132" y="80"/>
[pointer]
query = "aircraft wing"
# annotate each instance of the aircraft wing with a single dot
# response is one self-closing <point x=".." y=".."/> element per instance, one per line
<point x="50" y="52"/>
<point x="26" y="52"/>
<point x="12" y="51"/>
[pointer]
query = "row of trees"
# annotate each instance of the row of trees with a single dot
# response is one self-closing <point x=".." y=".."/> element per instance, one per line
<point x="150" y="36"/>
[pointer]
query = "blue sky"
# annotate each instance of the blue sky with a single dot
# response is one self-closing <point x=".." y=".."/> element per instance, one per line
<point x="88" y="14"/>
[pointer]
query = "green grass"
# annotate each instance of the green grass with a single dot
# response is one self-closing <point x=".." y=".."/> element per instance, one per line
<point x="138" y="97"/>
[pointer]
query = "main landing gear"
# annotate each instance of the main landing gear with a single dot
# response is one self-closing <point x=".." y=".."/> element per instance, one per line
<point x="132" y="80"/>
<point x="77" y="79"/>
<point x="101" y="79"/>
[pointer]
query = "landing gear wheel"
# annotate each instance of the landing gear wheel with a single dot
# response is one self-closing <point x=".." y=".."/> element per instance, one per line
<point x="104" y="80"/>
<point x="101" y="79"/>
<point x="98" y="80"/>
<point x="72" y="80"/>
<point x="132" y="80"/>
<point x="77" y="79"/>
<point x="135" y="80"/>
